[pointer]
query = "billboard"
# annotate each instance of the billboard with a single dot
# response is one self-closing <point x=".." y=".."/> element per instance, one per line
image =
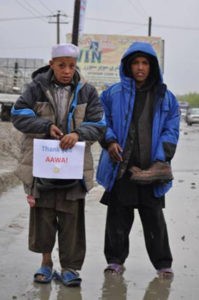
<point x="100" y="55"/>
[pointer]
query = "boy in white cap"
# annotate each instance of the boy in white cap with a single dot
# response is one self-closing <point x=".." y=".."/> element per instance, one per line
<point x="58" y="104"/>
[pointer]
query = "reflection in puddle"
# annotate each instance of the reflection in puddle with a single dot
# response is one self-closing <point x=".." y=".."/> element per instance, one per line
<point x="72" y="293"/>
<point x="114" y="287"/>
<point x="59" y="292"/>
<point x="158" y="289"/>
<point x="39" y="291"/>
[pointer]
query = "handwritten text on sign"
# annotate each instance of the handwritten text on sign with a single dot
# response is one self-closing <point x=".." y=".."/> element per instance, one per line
<point x="50" y="161"/>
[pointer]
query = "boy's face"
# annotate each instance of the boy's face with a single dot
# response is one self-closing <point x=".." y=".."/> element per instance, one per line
<point x="140" y="68"/>
<point x="64" y="68"/>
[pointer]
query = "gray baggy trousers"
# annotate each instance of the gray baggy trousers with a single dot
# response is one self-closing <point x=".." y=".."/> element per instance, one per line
<point x="46" y="223"/>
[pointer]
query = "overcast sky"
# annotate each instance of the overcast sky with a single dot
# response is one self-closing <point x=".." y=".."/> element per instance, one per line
<point x="25" y="31"/>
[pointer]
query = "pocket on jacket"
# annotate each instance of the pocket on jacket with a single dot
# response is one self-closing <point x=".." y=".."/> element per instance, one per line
<point x="44" y="110"/>
<point x="105" y="169"/>
<point x="79" y="113"/>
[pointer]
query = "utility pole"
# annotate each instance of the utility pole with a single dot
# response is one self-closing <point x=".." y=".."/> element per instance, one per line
<point x="16" y="67"/>
<point x="58" y="22"/>
<point x="149" y="26"/>
<point x="75" y="33"/>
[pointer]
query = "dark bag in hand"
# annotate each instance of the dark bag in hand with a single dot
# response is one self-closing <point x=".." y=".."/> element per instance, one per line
<point x="159" y="172"/>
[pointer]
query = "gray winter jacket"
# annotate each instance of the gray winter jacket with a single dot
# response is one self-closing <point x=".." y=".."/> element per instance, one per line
<point x="35" y="110"/>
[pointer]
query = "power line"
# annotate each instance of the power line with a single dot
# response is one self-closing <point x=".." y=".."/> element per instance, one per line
<point x="25" y="7"/>
<point x="32" y="7"/>
<point x="46" y="7"/>
<point x="136" y="7"/>
<point x="142" y="8"/>
<point x="115" y="21"/>
<point x="144" y="24"/>
<point x="29" y="8"/>
<point x="21" y="18"/>
<point x="177" y="27"/>
<point x="105" y="21"/>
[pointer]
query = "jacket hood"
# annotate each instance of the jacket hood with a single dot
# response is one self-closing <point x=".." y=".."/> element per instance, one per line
<point x="40" y="71"/>
<point x="138" y="49"/>
<point x="45" y="73"/>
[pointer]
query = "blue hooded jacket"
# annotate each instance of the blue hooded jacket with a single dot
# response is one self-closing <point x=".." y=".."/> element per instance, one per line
<point x="118" y="102"/>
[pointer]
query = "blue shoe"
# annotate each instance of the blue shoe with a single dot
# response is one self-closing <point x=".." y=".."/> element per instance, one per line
<point x="69" y="278"/>
<point x="46" y="273"/>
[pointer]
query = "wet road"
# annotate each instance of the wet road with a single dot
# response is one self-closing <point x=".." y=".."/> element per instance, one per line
<point x="139" y="281"/>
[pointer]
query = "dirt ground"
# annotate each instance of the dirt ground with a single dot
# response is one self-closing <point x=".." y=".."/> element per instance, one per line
<point x="139" y="281"/>
<point x="9" y="149"/>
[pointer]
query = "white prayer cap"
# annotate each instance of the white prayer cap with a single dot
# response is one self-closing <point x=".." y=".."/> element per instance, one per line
<point x="67" y="50"/>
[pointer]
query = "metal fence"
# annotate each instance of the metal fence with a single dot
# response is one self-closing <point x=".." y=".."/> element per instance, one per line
<point x="16" y="72"/>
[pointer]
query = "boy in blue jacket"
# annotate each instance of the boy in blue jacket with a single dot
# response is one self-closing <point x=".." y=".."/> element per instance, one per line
<point x="143" y="119"/>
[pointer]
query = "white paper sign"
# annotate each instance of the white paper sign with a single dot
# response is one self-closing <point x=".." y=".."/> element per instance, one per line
<point x="50" y="161"/>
